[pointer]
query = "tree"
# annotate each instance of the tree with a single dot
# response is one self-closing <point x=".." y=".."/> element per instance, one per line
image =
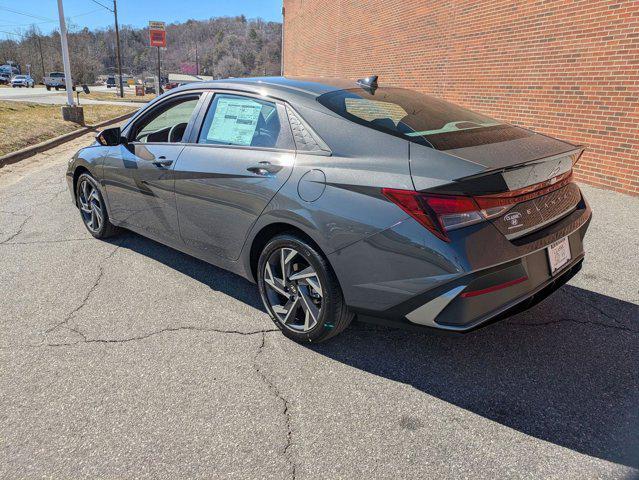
<point x="227" y="46"/>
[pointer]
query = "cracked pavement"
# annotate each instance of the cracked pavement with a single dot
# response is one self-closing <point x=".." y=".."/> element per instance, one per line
<point x="128" y="359"/>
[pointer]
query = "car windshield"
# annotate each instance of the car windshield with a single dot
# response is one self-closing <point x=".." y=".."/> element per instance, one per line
<point x="417" y="117"/>
<point x="20" y="77"/>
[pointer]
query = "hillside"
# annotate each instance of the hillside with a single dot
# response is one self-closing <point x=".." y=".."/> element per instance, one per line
<point x="226" y="46"/>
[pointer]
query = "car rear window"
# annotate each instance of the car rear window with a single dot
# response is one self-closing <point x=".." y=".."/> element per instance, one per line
<point x="418" y="118"/>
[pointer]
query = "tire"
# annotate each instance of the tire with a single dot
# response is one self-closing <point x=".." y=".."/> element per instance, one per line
<point x="291" y="297"/>
<point x="88" y="204"/>
<point x="48" y="88"/>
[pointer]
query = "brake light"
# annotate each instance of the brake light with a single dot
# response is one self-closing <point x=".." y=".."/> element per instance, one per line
<point x="442" y="213"/>
<point x="438" y="213"/>
<point x="513" y="197"/>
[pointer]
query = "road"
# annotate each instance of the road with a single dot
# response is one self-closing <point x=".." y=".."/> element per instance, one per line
<point x="128" y="359"/>
<point x="42" y="95"/>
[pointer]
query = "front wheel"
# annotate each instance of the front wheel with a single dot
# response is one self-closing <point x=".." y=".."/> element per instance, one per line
<point x="300" y="290"/>
<point x="92" y="208"/>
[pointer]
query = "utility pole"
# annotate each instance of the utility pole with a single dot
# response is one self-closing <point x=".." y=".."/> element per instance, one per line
<point x="117" y="48"/>
<point x="159" y="92"/>
<point x="65" y="55"/>
<point x="282" y="47"/>
<point x="197" y="63"/>
<point x="44" y="74"/>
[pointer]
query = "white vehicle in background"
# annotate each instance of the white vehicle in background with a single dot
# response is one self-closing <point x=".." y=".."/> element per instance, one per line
<point x="22" y="81"/>
<point x="55" y="80"/>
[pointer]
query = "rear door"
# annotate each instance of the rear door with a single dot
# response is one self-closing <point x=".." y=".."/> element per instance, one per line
<point x="239" y="155"/>
<point x="139" y="175"/>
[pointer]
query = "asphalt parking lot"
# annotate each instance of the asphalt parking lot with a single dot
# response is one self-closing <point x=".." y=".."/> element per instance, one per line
<point x="128" y="359"/>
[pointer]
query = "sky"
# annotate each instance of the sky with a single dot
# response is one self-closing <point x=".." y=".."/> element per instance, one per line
<point x="17" y="16"/>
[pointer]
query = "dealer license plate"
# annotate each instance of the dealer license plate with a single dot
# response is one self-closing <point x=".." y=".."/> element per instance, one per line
<point x="559" y="254"/>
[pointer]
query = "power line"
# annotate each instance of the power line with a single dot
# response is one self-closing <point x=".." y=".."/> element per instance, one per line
<point x="42" y="23"/>
<point x="49" y="21"/>
<point x="38" y="17"/>
<point x="102" y="5"/>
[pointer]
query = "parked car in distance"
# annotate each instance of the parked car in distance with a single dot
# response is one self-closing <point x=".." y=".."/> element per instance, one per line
<point x="22" y="81"/>
<point x="56" y="80"/>
<point x="342" y="198"/>
<point x="110" y="82"/>
<point x="149" y="84"/>
<point x="5" y="78"/>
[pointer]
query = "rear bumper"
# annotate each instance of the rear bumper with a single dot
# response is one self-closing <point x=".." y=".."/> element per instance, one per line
<point x="481" y="278"/>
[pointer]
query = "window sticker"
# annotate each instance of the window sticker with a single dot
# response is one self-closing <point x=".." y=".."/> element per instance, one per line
<point x="234" y="121"/>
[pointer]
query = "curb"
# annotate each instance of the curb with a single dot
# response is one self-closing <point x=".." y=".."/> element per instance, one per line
<point x="26" y="152"/>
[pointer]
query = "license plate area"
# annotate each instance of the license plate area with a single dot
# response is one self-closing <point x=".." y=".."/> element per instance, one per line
<point x="559" y="255"/>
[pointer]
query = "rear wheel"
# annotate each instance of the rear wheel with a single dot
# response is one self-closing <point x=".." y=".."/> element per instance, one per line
<point x="92" y="208"/>
<point x="300" y="290"/>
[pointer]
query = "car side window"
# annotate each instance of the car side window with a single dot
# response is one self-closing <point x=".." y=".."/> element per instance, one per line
<point x="167" y="125"/>
<point x="245" y="121"/>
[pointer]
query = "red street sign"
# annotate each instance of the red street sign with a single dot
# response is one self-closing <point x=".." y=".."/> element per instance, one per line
<point x="157" y="34"/>
<point x="158" y="38"/>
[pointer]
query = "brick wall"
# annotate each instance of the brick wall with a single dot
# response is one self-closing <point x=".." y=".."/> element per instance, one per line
<point x="569" y="69"/>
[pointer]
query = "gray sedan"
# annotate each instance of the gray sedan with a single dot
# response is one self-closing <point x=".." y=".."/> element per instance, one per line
<point x="342" y="198"/>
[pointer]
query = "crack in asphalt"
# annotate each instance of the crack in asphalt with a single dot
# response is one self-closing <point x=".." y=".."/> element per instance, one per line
<point x="72" y="313"/>
<point x="44" y="242"/>
<point x="86" y="339"/>
<point x="19" y="231"/>
<point x="581" y="322"/>
<point x="600" y="310"/>
<point x="285" y="407"/>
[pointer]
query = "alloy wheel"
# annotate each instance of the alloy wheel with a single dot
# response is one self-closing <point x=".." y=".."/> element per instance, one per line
<point x="293" y="289"/>
<point x="91" y="207"/>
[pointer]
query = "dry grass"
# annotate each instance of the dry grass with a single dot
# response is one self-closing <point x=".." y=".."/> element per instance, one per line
<point x="24" y="124"/>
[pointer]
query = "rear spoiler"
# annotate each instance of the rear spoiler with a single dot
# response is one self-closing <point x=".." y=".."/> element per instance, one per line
<point x="513" y="177"/>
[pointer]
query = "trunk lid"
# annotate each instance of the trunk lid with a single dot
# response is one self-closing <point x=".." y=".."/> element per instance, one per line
<point x="486" y="162"/>
<point x="526" y="178"/>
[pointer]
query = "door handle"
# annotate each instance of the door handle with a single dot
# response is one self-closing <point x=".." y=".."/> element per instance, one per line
<point x="264" y="168"/>
<point x="162" y="162"/>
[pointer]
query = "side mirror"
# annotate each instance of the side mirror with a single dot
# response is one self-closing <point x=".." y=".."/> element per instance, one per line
<point x="86" y="89"/>
<point x="110" y="137"/>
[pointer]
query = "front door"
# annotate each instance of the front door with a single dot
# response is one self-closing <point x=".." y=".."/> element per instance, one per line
<point x="139" y="175"/>
<point x="241" y="156"/>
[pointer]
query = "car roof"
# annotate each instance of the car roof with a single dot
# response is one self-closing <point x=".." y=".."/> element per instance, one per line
<point x="290" y="89"/>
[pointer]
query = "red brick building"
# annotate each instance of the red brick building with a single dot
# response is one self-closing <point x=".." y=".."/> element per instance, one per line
<point x="569" y="69"/>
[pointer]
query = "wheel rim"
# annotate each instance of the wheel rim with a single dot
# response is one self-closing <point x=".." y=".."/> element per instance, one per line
<point x="90" y="206"/>
<point x="293" y="289"/>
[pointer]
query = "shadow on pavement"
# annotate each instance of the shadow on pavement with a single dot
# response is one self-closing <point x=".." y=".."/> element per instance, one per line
<point x="216" y="278"/>
<point x="542" y="372"/>
<point x="565" y="371"/>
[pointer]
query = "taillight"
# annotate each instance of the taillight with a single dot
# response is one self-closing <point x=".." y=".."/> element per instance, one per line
<point x="438" y="213"/>
<point x="442" y="213"/>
